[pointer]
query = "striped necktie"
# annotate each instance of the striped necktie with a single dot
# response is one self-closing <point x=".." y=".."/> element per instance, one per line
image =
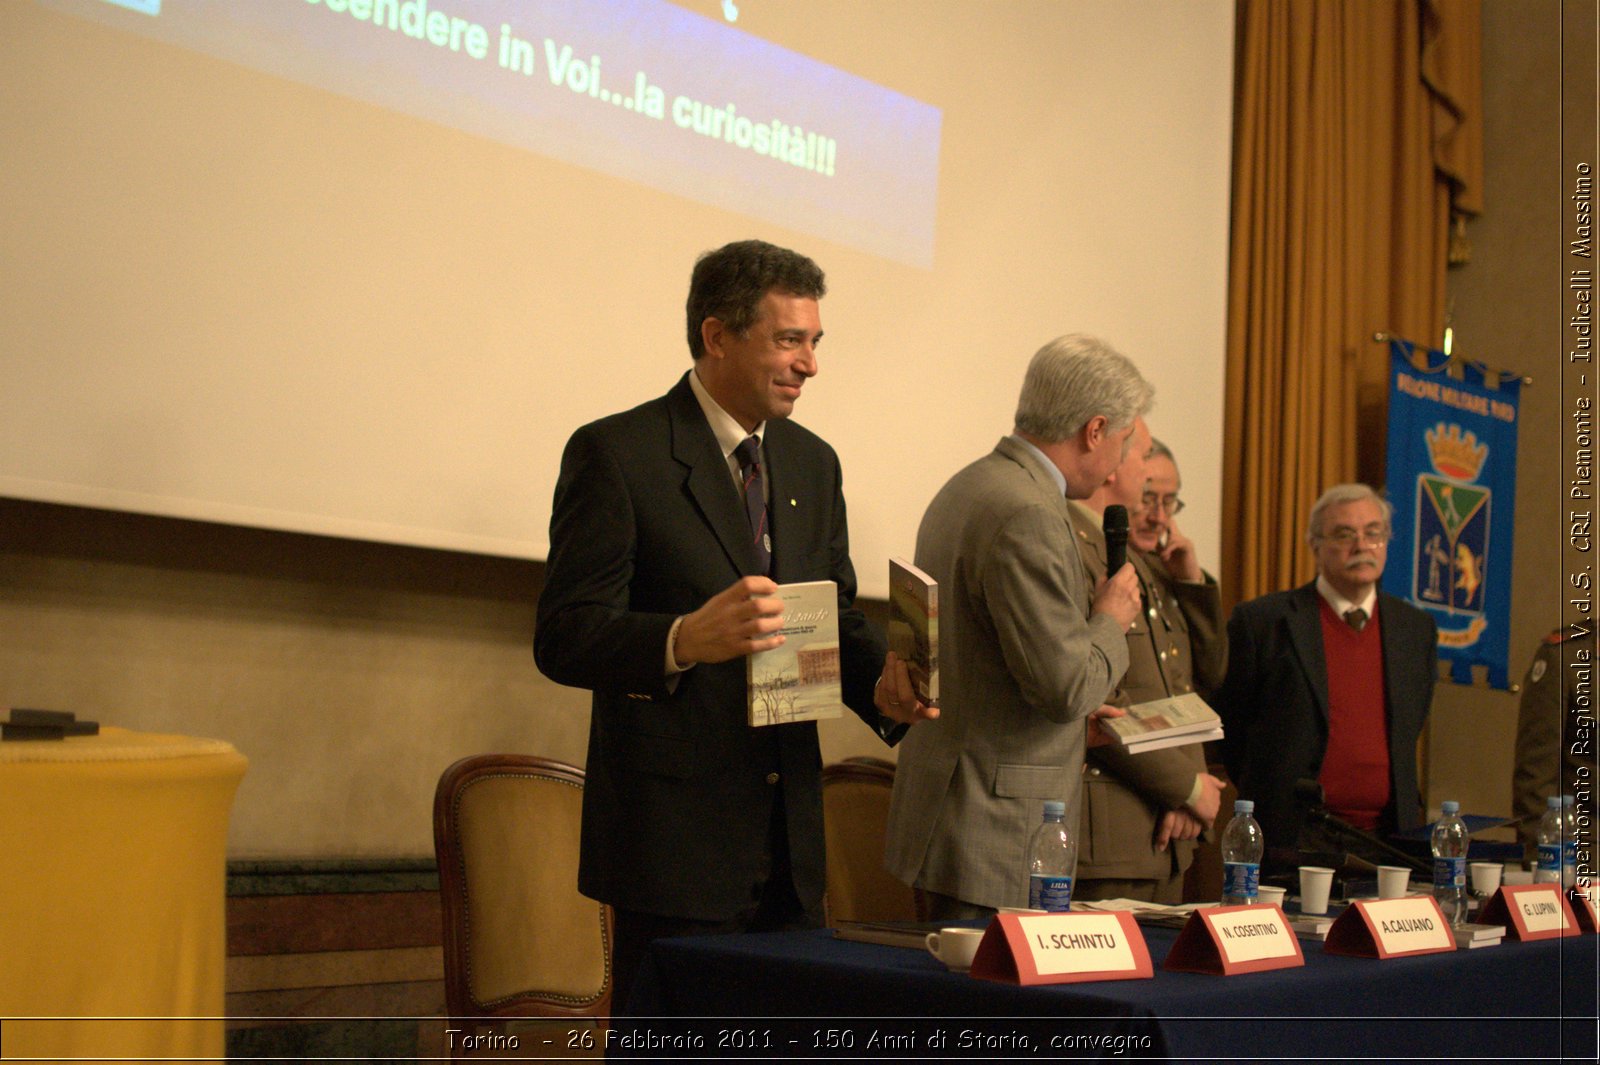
<point x="755" y="499"/>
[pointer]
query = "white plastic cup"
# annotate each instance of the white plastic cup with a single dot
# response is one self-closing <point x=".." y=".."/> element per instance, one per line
<point x="1393" y="880"/>
<point x="955" y="946"/>
<point x="1273" y="895"/>
<point x="1315" y="883"/>
<point x="1485" y="877"/>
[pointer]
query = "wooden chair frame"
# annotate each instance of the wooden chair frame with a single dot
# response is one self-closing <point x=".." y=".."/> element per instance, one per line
<point x="463" y="1008"/>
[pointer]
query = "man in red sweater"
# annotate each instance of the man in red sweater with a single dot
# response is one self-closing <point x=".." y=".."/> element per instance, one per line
<point x="1330" y="682"/>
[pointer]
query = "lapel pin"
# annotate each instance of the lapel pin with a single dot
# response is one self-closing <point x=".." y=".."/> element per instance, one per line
<point x="792" y="503"/>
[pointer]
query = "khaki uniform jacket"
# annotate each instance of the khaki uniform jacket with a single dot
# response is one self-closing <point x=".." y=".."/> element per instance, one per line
<point x="1177" y="645"/>
<point x="1555" y="730"/>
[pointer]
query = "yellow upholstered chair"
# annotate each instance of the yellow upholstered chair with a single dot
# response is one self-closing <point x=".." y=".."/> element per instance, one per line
<point x="519" y="941"/>
<point x="855" y="810"/>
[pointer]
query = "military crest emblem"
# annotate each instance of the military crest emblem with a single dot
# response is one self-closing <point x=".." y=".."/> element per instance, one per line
<point x="1452" y="523"/>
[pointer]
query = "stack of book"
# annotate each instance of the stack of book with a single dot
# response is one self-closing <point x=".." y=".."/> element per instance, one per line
<point x="1471" y="936"/>
<point x="1310" y="926"/>
<point x="888" y="933"/>
<point x="1159" y="723"/>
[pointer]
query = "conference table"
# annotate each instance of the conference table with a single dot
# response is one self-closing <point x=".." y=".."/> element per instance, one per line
<point x="808" y="994"/>
<point x="113" y="863"/>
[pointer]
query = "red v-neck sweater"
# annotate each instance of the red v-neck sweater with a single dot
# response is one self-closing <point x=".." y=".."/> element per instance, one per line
<point x="1355" y="768"/>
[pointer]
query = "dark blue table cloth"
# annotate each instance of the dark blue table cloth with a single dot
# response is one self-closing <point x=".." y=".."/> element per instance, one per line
<point x="807" y="994"/>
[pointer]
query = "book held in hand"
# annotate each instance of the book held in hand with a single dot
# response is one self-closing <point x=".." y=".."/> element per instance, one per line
<point x="1161" y="723"/>
<point x="799" y="680"/>
<point x="914" y="626"/>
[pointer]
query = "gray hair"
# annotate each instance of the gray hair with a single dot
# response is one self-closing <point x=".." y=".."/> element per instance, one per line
<point x="1158" y="450"/>
<point x="1073" y="379"/>
<point x="1340" y="494"/>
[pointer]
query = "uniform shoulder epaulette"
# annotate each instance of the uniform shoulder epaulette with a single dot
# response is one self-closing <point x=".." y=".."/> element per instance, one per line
<point x="1570" y="632"/>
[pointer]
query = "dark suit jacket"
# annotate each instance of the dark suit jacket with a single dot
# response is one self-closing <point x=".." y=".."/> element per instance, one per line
<point x="1274" y="704"/>
<point x="679" y="793"/>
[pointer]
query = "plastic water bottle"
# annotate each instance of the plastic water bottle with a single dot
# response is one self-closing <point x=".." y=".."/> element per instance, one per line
<point x="1551" y="828"/>
<point x="1569" y="842"/>
<point x="1052" y="860"/>
<point x="1242" y="847"/>
<point x="1450" y="863"/>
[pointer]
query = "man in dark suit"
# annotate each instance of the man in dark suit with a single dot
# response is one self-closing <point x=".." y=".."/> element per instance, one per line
<point x="1330" y="682"/>
<point x="672" y="523"/>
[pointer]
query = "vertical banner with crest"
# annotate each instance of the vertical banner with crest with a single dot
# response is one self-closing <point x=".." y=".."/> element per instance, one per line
<point x="1452" y="478"/>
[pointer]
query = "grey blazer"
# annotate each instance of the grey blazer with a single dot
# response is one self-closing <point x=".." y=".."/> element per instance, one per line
<point x="1022" y="665"/>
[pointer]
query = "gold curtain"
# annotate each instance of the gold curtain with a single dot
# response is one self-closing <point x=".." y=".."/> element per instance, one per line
<point x="1356" y="134"/>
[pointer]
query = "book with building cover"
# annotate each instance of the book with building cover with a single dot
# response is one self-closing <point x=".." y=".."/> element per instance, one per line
<point x="799" y="679"/>
<point x="914" y="626"/>
<point x="1164" y="723"/>
<point x="1163" y="740"/>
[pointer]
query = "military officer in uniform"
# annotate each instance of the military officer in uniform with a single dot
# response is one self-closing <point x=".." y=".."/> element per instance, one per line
<point x="1555" y="732"/>
<point x="1143" y="814"/>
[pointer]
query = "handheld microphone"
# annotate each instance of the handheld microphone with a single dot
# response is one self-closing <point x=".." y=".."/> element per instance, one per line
<point x="1115" y="526"/>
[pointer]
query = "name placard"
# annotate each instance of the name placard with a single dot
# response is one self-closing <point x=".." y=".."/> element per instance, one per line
<point x="1391" y="928"/>
<point x="1531" y="911"/>
<point x="1235" y="939"/>
<point x="1062" y="948"/>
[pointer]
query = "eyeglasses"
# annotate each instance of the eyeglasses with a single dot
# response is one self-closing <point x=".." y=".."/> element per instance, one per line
<point x="1344" y="536"/>
<point x="1169" y="503"/>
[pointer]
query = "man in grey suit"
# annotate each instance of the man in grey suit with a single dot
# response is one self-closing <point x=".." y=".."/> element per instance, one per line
<point x="1030" y="651"/>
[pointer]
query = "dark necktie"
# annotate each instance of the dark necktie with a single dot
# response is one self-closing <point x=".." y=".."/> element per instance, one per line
<point x="755" y="499"/>
<point x="1356" y="618"/>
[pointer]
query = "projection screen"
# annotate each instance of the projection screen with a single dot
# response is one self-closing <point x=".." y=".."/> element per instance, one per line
<point x="359" y="267"/>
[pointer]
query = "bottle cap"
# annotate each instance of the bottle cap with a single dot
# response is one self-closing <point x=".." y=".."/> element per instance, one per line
<point x="1055" y="808"/>
<point x="1450" y="806"/>
<point x="1244" y="806"/>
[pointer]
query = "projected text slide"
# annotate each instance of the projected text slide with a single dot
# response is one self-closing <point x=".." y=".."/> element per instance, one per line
<point x="639" y="89"/>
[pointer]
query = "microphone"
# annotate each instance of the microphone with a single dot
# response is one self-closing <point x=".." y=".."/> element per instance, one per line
<point x="1308" y="797"/>
<point x="1115" y="526"/>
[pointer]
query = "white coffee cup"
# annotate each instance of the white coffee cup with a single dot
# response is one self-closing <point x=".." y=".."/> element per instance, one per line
<point x="1315" y="883"/>
<point x="1393" y="880"/>
<point x="955" y="946"/>
<point x="1485" y="877"/>
<point x="1269" y="894"/>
